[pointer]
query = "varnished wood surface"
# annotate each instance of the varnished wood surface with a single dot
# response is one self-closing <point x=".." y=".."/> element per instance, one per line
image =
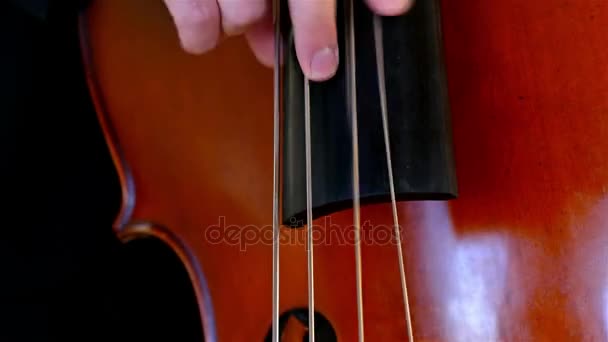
<point x="522" y="255"/>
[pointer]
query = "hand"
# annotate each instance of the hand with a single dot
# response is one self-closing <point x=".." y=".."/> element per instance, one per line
<point x="201" y="23"/>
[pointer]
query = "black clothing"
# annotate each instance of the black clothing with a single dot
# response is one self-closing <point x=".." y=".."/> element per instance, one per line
<point x="37" y="8"/>
<point x="41" y="9"/>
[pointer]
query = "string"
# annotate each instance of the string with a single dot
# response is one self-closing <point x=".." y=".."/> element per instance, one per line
<point x="352" y="108"/>
<point x="382" y="89"/>
<point x="276" y="171"/>
<point x="311" y="286"/>
<point x="276" y="226"/>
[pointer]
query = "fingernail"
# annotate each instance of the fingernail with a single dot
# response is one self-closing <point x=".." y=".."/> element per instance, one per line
<point x="324" y="63"/>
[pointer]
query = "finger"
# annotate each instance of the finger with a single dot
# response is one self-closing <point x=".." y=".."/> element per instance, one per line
<point x="260" y="38"/>
<point x="390" y="7"/>
<point x="315" y="37"/>
<point x="238" y="15"/>
<point x="197" y="22"/>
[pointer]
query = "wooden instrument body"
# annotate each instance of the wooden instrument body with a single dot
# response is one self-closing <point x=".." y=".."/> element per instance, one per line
<point x="520" y="255"/>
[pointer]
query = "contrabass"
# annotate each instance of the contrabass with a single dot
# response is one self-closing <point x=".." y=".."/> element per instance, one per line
<point x="450" y="183"/>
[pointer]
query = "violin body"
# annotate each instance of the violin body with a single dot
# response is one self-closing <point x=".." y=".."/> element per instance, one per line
<point x="519" y="255"/>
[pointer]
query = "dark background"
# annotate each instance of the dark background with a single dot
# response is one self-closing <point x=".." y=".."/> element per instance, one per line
<point x="63" y="274"/>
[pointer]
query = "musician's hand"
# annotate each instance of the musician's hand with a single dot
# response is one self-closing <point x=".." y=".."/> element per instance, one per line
<point x="201" y="23"/>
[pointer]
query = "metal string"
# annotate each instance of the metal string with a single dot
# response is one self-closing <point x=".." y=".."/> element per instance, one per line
<point x="276" y="172"/>
<point x="311" y="283"/>
<point x="382" y="89"/>
<point x="352" y="109"/>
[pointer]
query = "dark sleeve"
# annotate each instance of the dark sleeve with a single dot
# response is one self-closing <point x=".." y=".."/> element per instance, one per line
<point x="42" y="8"/>
<point x="36" y="8"/>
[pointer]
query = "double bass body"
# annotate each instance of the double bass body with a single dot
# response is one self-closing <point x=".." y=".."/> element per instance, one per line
<point x="521" y="254"/>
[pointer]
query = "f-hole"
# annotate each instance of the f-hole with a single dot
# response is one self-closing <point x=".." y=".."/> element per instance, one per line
<point x="293" y="327"/>
<point x="156" y="293"/>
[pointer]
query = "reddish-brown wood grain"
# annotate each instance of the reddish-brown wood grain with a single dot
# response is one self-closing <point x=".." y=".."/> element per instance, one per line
<point x="521" y="255"/>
